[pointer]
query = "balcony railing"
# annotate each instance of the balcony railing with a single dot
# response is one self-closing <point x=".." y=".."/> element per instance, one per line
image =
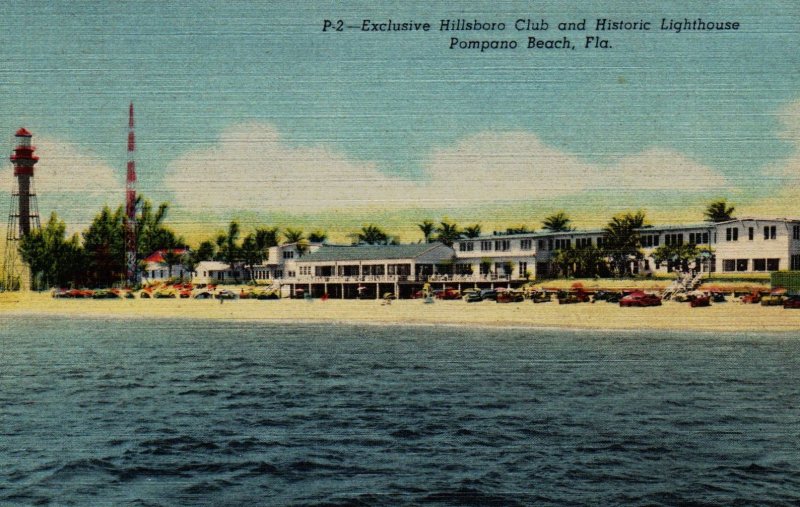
<point x="399" y="278"/>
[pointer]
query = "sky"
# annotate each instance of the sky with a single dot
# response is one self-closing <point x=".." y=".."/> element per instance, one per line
<point x="249" y="111"/>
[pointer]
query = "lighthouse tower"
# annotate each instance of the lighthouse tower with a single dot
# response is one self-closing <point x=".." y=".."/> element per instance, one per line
<point x="23" y="215"/>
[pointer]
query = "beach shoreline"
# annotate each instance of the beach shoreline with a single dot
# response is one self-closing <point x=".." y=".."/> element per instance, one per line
<point x="731" y="316"/>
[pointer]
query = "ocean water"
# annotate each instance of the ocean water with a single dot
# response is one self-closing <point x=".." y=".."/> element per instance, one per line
<point x="135" y="412"/>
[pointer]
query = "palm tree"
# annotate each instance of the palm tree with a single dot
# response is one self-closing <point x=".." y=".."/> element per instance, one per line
<point x="171" y="258"/>
<point x="293" y="235"/>
<point x="318" y="236"/>
<point x="297" y="237"/>
<point x="718" y="211"/>
<point x="372" y="235"/>
<point x="472" y="231"/>
<point x="427" y="227"/>
<point x="251" y="253"/>
<point x="230" y="250"/>
<point x="621" y="240"/>
<point x="448" y="232"/>
<point x="557" y="222"/>
<point x="266" y="237"/>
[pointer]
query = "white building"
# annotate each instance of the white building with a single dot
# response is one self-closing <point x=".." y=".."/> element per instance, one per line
<point x="156" y="268"/>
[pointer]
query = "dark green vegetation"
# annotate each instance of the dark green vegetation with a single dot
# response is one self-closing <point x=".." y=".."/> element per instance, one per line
<point x="96" y="256"/>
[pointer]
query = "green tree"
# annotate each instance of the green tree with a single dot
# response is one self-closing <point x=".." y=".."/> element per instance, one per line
<point x="557" y="222"/>
<point x="427" y="227"/>
<point x="678" y="256"/>
<point x="293" y="235"/>
<point x="103" y="243"/>
<point x="151" y="233"/>
<point x="54" y="259"/>
<point x="448" y="232"/>
<point x="472" y="231"/>
<point x="373" y="235"/>
<point x="297" y="237"/>
<point x="189" y="262"/>
<point x="317" y="236"/>
<point x="718" y="211"/>
<point x="251" y="253"/>
<point x="206" y="251"/>
<point x="230" y="248"/>
<point x="621" y="241"/>
<point x="171" y="258"/>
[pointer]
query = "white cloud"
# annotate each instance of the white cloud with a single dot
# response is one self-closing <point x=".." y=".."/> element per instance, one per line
<point x="252" y="168"/>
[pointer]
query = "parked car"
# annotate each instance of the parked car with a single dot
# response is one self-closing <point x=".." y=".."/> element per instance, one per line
<point x="448" y="293"/>
<point x="752" y="298"/>
<point x="698" y="301"/>
<point x="510" y="296"/>
<point x="774" y="298"/>
<point x="640" y="299"/>
<point x="489" y="294"/>
<point x="718" y="297"/>
<point x="566" y="298"/>
<point x="541" y="297"/>
<point x="792" y="302"/>
<point x="608" y="296"/>
<point x="472" y="295"/>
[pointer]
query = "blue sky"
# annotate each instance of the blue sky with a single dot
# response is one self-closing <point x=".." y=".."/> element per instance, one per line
<point x="247" y="110"/>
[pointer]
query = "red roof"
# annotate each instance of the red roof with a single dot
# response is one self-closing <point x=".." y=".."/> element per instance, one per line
<point x="23" y="132"/>
<point x="158" y="255"/>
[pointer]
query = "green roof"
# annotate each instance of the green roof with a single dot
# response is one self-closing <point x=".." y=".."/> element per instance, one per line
<point x="333" y="253"/>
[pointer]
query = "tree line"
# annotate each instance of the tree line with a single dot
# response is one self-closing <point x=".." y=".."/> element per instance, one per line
<point x="96" y="257"/>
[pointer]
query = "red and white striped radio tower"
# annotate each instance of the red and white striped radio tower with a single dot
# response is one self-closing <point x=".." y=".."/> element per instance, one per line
<point x="130" y="206"/>
<point x="23" y="217"/>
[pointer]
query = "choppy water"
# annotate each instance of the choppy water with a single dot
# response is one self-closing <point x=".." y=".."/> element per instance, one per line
<point x="166" y="412"/>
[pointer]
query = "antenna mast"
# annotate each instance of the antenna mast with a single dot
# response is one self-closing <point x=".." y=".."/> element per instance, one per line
<point x="130" y="205"/>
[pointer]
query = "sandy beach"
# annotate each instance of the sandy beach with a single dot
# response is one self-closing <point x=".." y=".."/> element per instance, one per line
<point x="729" y="316"/>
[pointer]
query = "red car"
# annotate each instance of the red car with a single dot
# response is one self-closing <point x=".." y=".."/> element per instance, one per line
<point x="700" y="301"/>
<point x="449" y="293"/>
<point x="792" y="302"/>
<point x="640" y="299"/>
<point x="752" y="298"/>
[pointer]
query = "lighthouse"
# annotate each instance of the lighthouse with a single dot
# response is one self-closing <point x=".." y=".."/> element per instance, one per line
<point x="23" y="215"/>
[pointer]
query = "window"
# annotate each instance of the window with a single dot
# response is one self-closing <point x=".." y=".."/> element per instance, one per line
<point x="741" y="264"/>
<point x="692" y="239"/>
<point x="773" y="264"/>
<point x="563" y="244"/>
<point x="502" y="245"/>
<point x="750" y="233"/>
<point x="795" y="261"/>
<point x="728" y="265"/>
<point x="770" y="232"/>
<point x="759" y="264"/>
<point x="796" y="232"/>
<point x="525" y="244"/>
<point x="288" y="254"/>
<point x="541" y="244"/>
<point x="600" y="241"/>
<point x="673" y="239"/>
<point x="583" y="242"/>
<point x="486" y="246"/>
<point x="466" y="246"/>
<point x="705" y="237"/>
<point x="732" y="234"/>
<point x="523" y="269"/>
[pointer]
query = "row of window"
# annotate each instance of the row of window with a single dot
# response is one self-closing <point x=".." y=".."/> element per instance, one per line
<point x="757" y="265"/>
<point x="770" y="232"/>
